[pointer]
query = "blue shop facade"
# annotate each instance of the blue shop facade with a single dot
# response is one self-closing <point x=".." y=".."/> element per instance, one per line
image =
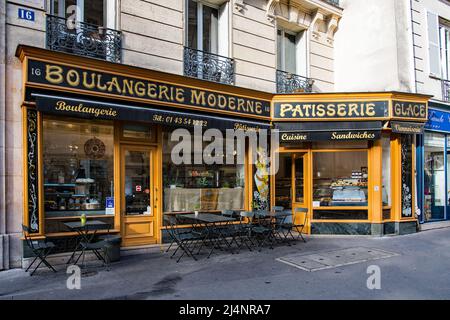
<point x="433" y="165"/>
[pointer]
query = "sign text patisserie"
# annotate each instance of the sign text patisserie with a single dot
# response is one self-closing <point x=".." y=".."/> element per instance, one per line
<point x="331" y="110"/>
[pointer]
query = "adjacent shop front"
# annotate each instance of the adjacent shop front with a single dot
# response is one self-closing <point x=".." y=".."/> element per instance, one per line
<point x="434" y="160"/>
<point x="349" y="158"/>
<point x="102" y="139"/>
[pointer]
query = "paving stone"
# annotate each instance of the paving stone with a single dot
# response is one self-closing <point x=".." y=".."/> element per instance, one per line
<point x="336" y="258"/>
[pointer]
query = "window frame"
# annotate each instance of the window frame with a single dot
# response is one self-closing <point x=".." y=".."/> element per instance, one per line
<point x="282" y="67"/>
<point x="109" y="11"/>
<point x="200" y="35"/>
<point x="444" y="49"/>
<point x="341" y="208"/>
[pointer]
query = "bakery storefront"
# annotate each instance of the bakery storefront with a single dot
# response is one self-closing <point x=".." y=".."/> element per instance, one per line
<point x="103" y="139"/>
<point x="349" y="158"/>
<point x="100" y="140"/>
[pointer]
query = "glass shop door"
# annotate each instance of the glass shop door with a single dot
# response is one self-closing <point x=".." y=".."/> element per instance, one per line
<point x="291" y="183"/>
<point x="139" y="200"/>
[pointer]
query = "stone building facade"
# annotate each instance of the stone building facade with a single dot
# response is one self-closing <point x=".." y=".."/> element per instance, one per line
<point x="268" y="42"/>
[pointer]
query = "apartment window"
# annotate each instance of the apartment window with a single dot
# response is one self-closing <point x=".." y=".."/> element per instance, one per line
<point x="291" y="55"/>
<point x="202" y="27"/>
<point x="95" y="12"/>
<point x="207" y="27"/>
<point x="439" y="46"/>
<point x="444" y="46"/>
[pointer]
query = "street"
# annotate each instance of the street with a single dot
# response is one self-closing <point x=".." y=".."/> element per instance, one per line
<point x="417" y="270"/>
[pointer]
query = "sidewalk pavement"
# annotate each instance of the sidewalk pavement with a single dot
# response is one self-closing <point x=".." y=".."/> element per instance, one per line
<point x="417" y="269"/>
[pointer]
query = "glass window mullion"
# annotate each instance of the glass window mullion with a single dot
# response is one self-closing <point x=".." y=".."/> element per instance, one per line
<point x="445" y="180"/>
<point x="283" y="52"/>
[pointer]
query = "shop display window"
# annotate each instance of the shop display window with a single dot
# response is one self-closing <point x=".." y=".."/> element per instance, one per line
<point x="78" y="170"/>
<point x="190" y="187"/>
<point x="434" y="176"/>
<point x="340" y="179"/>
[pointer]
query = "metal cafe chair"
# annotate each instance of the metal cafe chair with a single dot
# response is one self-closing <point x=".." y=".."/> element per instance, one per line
<point x="295" y="226"/>
<point x="181" y="238"/>
<point x="244" y="228"/>
<point x="280" y="221"/>
<point x="262" y="231"/>
<point x="278" y="208"/>
<point x="41" y="249"/>
<point x="168" y="219"/>
<point x="97" y="247"/>
<point x="230" y="230"/>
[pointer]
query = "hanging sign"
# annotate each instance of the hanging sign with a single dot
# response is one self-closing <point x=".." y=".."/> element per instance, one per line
<point x="407" y="127"/>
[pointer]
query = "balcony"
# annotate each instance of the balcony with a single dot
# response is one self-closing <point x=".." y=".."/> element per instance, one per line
<point x="208" y="66"/>
<point x="333" y="2"/>
<point x="83" y="39"/>
<point x="445" y="90"/>
<point x="292" y="83"/>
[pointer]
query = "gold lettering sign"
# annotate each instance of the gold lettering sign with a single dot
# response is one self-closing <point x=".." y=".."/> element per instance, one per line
<point x="353" y="135"/>
<point x="81" y="108"/>
<point x="404" y="109"/>
<point x="75" y="78"/>
<point x="331" y="110"/>
<point x="285" y="137"/>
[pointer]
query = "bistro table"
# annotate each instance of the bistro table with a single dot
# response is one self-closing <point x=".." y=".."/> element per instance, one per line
<point x="209" y="222"/>
<point x="86" y="233"/>
<point x="273" y="219"/>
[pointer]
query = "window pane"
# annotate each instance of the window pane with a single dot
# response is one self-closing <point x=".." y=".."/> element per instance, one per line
<point x="190" y="187"/>
<point x="290" y="53"/>
<point x="192" y="25"/>
<point x="340" y="178"/>
<point x="283" y="181"/>
<point x="210" y="27"/>
<point x="386" y="176"/>
<point x="94" y="12"/>
<point x="434" y="190"/>
<point x="78" y="168"/>
<point x="279" y="50"/>
<point x="299" y="197"/>
<point x="137" y="131"/>
<point x="137" y="182"/>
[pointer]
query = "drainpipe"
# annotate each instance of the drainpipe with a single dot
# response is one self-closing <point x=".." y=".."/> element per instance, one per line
<point x="4" y="246"/>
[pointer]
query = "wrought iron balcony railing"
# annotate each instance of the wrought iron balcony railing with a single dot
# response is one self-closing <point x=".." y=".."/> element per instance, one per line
<point x="333" y="2"/>
<point x="446" y="90"/>
<point x="83" y="39"/>
<point x="292" y="83"/>
<point x="208" y="66"/>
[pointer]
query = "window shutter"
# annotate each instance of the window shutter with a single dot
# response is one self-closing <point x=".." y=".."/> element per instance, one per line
<point x="433" y="44"/>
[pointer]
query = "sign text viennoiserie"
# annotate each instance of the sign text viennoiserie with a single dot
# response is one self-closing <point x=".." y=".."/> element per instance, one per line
<point x="111" y="84"/>
<point x="331" y="110"/>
